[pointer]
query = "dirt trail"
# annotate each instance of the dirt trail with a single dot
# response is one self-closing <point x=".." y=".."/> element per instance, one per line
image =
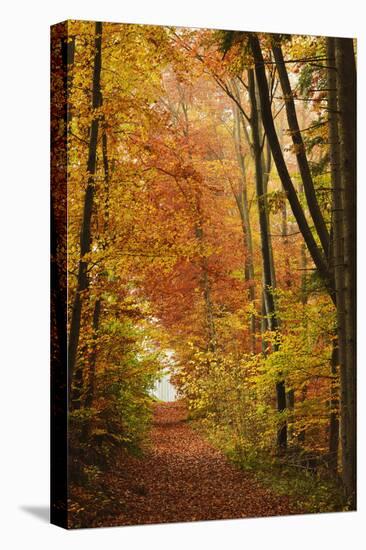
<point x="183" y="478"/>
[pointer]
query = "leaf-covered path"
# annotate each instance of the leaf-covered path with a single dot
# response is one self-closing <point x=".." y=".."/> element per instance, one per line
<point x="183" y="478"/>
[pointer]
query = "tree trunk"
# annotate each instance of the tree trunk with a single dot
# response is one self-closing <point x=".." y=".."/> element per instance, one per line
<point x="90" y="390"/>
<point x="346" y="86"/>
<point x="242" y="203"/>
<point x="89" y="395"/>
<point x="337" y="264"/>
<point x="272" y="319"/>
<point x="299" y="147"/>
<point x="290" y="395"/>
<point x="333" y="417"/>
<point x="304" y="298"/>
<point x="262" y="210"/>
<point x="85" y="234"/>
<point x="268" y="123"/>
<point x="266" y="169"/>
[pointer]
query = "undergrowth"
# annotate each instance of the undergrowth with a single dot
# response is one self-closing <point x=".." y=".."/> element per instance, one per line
<point x="311" y="491"/>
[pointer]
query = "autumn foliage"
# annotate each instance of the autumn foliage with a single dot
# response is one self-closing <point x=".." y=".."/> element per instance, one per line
<point x="172" y="249"/>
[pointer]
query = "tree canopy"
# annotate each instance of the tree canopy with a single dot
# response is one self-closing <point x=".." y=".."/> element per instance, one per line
<point x="209" y="230"/>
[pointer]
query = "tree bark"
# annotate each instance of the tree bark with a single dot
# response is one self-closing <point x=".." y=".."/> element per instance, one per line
<point x="242" y="203"/>
<point x="346" y="86"/>
<point x="85" y="234"/>
<point x="89" y="395"/>
<point x="268" y="123"/>
<point x="333" y="417"/>
<point x="266" y="161"/>
<point x="337" y="264"/>
<point x="299" y="147"/>
<point x="304" y="298"/>
<point x="272" y="319"/>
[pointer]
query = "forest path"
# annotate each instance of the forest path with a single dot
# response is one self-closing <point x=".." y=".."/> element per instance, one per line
<point x="183" y="478"/>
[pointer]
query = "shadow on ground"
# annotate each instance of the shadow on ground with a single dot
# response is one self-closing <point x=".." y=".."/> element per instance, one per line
<point x="40" y="512"/>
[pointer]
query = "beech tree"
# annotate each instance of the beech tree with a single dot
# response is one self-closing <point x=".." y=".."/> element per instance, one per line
<point x="85" y="232"/>
<point x="211" y="231"/>
<point x="345" y="302"/>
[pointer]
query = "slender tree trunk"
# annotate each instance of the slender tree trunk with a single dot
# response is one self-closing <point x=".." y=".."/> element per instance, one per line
<point x="264" y="326"/>
<point x="272" y="319"/>
<point x="90" y="392"/>
<point x="262" y="203"/>
<point x="268" y="123"/>
<point x="299" y="147"/>
<point x="92" y="360"/>
<point x="290" y="404"/>
<point x="106" y="184"/>
<point x="337" y="264"/>
<point x="346" y="85"/>
<point x="333" y="417"/>
<point x="89" y="395"/>
<point x="242" y="203"/>
<point x="266" y="169"/>
<point x="304" y="299"/>
<point x="284" y="233"/>
<point x="302" y="433"/>
<point x="290" y="395"/>
<point x="85" y="234"/>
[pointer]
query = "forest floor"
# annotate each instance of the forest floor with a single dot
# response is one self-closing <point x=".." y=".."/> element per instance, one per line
<point x="183" y="478"/>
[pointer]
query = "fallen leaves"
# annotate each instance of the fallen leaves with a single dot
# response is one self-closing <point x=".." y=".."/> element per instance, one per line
<point x="181" y="478"/>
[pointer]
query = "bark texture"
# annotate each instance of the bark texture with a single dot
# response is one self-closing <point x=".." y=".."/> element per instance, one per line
<point x="268" y="283"/>
<point x="299" y="148"/>
<point x="268" y="123"/>
<point x="346" y="87"/>
<point x="85" y="234"/>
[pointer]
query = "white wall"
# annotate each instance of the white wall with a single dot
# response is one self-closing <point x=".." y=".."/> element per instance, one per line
<point x="164" y="389"/>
